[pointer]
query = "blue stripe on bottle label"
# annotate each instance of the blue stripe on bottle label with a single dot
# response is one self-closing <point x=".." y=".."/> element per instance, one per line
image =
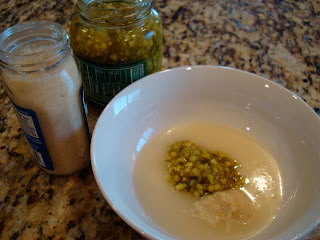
<point x="31" y="128"/>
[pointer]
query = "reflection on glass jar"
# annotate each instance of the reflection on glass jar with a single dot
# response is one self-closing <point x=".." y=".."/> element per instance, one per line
<point x="44" y="86"/>
<point x="115" y="43"/>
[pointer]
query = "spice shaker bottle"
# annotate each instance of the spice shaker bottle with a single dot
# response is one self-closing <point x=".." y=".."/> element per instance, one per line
<point x="44" y="85"/>
<point x="115" y="43"/>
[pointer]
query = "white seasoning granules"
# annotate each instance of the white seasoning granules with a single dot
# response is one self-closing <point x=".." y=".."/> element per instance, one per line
<point x="54" y="95"/>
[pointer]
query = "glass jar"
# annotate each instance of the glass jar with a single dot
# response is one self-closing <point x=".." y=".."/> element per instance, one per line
<point x="115" y="43"/>
<point x="44" y="85"/>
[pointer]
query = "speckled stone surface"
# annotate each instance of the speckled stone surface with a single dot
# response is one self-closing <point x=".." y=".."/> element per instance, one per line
<point x="279" y="40"/>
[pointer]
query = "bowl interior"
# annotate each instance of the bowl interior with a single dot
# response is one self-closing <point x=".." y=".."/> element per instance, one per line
<point x="274" y="116"/>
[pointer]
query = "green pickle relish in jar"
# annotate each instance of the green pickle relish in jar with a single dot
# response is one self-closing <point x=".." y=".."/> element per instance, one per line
<point x="115" y="43"/>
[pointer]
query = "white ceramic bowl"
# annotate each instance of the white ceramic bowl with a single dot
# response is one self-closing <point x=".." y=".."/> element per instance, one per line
<point x="276" y="117"/>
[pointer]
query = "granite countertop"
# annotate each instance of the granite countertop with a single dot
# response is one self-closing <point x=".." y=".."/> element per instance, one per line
<point x="278" y="39"/>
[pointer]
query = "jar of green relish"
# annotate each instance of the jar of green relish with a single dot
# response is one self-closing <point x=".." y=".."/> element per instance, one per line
<point x="115" y="43"/>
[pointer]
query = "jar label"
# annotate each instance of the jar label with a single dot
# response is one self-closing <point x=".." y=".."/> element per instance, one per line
<point x="102" y="82"/>
<point x="31" y="128"/>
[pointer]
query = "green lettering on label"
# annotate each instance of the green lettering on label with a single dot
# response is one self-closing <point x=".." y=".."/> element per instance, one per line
<point x="102" y="82"/>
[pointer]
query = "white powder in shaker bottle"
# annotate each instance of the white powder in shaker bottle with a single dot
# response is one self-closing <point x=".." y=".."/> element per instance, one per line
<point x="47" y="95"/>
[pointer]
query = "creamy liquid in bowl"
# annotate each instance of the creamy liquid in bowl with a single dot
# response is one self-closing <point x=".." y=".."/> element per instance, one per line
<point x="233" y="214"/>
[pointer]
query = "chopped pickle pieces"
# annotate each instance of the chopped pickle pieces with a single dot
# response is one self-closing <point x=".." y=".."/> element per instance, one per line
<point x="111" y="37"/>
<point x="199" y="171"/>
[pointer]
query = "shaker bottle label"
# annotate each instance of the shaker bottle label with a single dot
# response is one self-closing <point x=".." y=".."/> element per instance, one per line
<point x="30" y="126"/>
<point x="103" y="82"/>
